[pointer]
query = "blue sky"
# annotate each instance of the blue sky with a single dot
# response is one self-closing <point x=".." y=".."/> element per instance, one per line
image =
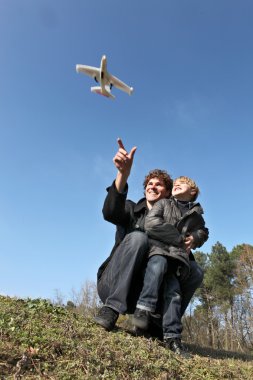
<point x="190" y="63"/>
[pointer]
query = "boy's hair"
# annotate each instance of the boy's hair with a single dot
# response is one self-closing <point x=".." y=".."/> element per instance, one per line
<point x="191" y="183"/>
<point x="162" y="175"/>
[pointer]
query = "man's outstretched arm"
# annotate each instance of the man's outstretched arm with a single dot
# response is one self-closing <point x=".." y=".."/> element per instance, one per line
<point x="115" y="208"/>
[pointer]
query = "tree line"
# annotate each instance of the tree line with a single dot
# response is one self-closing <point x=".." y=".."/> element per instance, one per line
<point x="222" y="316"/>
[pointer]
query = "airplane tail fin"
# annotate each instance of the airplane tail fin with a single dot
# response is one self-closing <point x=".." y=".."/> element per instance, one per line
<point x="105" y="92"/>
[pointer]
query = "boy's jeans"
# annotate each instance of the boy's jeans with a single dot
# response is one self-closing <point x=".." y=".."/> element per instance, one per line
<point x="156" y="269"/>
<point x="176" y="294"/>
<point x="121" y="281"/>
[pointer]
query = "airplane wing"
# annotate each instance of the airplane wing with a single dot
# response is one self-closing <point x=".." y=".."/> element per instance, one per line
<point x="119" y="84"/>
<point x="93" y="72"/>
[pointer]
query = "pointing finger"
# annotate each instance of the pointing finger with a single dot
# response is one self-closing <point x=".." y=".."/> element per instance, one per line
<point x="120" y="143"/>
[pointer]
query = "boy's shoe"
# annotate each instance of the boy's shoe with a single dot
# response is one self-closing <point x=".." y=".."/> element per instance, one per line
<point x="175" y="345"/>
<point x="141" y="319"/>
<point x="106" y="318"/>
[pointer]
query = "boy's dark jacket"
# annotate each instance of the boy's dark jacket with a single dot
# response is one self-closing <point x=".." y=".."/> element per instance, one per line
<point x="165" y="213"/>
<point x="129" y="216"/>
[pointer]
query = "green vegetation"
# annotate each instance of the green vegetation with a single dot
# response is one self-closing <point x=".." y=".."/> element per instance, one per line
<point x="39" y="340"/>
<point x="223" y="315"/>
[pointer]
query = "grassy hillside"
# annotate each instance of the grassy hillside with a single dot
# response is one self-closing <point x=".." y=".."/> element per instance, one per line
<point x="41" y="341"/>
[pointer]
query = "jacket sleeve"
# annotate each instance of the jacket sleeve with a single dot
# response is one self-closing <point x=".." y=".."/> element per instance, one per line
<point x="195" y="226"/>
<point x="200" y="236"/>
<point x="115" y="209"/>
<point x="157" y="228"/>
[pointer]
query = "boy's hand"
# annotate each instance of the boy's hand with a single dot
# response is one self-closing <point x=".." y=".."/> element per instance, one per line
<point x="188" y="243"/>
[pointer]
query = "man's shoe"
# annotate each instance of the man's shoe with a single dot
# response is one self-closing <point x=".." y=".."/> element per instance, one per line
<point x="106" y="318"/>
<point x="141" y="319"/>
<point x="175" y="345"/>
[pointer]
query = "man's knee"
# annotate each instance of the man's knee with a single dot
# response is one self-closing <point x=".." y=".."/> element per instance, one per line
<point x="132" y="249"/>
<point x="138" y="239"/>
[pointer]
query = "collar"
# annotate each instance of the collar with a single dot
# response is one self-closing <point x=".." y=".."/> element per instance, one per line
<point x="142" y="204"/>
<point x="184" y="204"/>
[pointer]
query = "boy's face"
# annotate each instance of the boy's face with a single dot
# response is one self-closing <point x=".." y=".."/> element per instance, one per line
<point x="155" y="190"/>
<point x="182" y="191"/>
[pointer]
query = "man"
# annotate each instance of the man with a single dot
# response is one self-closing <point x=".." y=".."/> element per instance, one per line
<point x="120" y="276"/>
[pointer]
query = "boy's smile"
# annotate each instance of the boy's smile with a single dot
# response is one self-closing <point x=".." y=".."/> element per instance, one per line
<point x="182" y="191"/>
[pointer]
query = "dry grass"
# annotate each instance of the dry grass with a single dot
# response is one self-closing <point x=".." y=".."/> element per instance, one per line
<point x="43" y="341"/>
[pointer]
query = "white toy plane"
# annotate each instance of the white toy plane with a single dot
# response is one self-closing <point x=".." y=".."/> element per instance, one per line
<point x="106" y="80"/>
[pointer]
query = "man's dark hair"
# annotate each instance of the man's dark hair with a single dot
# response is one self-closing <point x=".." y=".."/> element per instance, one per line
<point x="162" y="175"/>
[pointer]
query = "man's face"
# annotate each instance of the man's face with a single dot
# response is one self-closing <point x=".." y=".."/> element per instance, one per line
<point x="155" y="190"/>
<point x="182" y="191"/>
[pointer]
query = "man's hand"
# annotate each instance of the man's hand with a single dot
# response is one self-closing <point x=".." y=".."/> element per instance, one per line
<point x="188" y="243"/>
<point x="123" y="162"/>
<point x="122" y="159"/>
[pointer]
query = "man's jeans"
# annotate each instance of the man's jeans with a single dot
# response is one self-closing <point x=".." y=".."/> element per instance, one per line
<point x="121" y="281"/>
<point x="177" y="295"/>
<point x="156" y="269"/>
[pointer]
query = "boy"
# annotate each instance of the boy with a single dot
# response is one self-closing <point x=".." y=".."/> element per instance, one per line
<point x="164" y="259"/>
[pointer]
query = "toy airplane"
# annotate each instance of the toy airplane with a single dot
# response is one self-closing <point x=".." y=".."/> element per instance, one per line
<point x="106" y="80"/>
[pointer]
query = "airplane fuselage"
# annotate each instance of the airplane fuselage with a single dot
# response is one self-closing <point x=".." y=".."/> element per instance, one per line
<point x="103" y="75"/>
